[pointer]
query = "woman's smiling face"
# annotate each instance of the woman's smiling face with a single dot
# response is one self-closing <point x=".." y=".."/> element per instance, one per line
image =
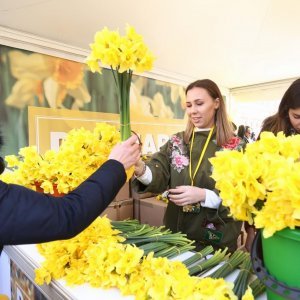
<point x="201" y="107"/>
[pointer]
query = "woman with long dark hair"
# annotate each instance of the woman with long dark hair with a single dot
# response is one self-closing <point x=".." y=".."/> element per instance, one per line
<point x="287" y="118"/>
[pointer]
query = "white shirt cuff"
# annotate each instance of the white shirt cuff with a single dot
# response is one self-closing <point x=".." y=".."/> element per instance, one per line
<point x="212" y="200"/>
<point x="146" y="178"/>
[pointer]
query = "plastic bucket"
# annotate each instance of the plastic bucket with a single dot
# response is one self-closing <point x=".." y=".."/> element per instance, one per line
<point x="276" y="262"/>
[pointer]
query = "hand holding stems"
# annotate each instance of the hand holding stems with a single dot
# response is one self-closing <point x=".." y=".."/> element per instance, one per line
<point x="127" y="152"/>
<point x="186" y="194"/>
<point x="139" y="168"/>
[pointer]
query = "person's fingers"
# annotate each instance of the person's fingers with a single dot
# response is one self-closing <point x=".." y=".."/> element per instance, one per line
<point x="176" y="191"/>
<point x="136" y="149"/>
<point x="131" y="140"/>
<point x="136" y="154"/>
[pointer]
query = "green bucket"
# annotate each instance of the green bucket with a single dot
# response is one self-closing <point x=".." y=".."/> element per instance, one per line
<point x="276" y="263"/>
<point x="281" y="255"/>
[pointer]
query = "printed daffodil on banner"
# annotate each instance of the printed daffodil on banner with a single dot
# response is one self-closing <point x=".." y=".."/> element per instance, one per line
<point x="262" y="184"/>
<point x="123" y="55"/>
<point x="45" y="79"/>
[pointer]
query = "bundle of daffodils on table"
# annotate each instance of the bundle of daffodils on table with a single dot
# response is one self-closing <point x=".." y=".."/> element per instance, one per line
<point x="139" y="260"/>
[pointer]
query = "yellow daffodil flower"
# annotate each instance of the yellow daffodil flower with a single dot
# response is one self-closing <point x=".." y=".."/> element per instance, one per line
<point x="261" y="184"/>
<point x="86" y="152"/>
<point x="123" y="55"/>
<point x="248" y="294"/>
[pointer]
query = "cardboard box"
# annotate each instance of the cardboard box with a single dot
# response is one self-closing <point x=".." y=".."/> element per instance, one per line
<point x="124" y="192"/>
<point x="136" y="195"/>
<point x="119" y="210"/>
<point x="136" y="202"/>
<point x="136" y="209"/>
<point x="152" y="211"/>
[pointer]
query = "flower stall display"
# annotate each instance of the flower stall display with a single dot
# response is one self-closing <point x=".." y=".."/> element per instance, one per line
<point x="136" y="258"/>
<point x="262" y="186"/>
<point x="107" y="254"/>
<point x="123" y="55"/>
<point x="111" y="254"/>
<point x="79" y="155"/>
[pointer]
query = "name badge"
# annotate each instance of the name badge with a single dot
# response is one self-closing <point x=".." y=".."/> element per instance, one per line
<point x="213" y="236"/>
<point x="192" y="208"/>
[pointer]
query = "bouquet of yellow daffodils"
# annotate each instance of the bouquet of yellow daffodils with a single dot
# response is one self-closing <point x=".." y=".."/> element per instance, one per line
<point x="262" y="184"/>
<point x="124" y="55"/>
<point x="80" y="154"/>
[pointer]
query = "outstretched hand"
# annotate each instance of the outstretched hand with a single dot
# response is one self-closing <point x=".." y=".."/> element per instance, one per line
<point x="127" y="152"/>
<point x="186" y="194"/>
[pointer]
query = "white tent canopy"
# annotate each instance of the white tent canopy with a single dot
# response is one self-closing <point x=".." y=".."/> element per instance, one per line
<point x="233" y="42"/>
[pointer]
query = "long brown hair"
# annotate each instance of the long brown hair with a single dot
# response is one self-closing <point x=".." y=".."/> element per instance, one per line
<point x="224" y="128"/>
<point x="281" y="121"/>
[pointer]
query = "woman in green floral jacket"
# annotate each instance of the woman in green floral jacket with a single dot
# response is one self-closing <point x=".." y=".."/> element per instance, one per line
<point x="182" y="168"/>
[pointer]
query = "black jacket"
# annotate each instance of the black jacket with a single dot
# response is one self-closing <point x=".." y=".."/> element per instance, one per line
<point x="29" y="217"/>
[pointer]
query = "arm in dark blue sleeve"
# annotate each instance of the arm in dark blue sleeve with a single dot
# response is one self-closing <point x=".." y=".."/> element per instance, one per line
<point x="29" y="217"/>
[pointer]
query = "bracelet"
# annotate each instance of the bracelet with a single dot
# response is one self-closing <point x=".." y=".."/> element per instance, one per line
<point x="143" y="172"/>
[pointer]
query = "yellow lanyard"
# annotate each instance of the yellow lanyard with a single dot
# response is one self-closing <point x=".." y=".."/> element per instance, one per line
<point x="201" y="155"/>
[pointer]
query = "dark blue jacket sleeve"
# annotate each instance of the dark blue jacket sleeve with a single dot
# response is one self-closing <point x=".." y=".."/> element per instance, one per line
<point x="28" y="217"/>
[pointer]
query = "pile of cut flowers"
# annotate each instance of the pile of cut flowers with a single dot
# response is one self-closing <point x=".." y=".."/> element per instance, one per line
<point x="102" y="257"/>
<point x="79" y="155"/>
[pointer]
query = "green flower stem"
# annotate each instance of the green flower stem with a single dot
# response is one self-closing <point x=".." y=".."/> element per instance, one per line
<point x="257" y="287"/>
<point x="123" y="81"/>
<point x="143" y="231"/>
<point x="126" y="225"/>
<point x="153" y="247"/>
<point x="241" y="282"/>
<point x="207" y="264"/>
<point x="165" y="252"/>
<point x="234" y="261"/>
<point x="178" y="250"/>
<point x="132" y="228"/>
<point x="160" y="240"/>
<point x="198" y="256"/>
<point x="168" y="238"/>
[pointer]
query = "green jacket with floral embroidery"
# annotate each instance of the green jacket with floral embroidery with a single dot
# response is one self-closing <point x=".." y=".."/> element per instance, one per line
<point x="170" y="168"/>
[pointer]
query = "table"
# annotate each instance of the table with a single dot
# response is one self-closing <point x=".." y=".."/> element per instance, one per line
<point x="28" y="258"/>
